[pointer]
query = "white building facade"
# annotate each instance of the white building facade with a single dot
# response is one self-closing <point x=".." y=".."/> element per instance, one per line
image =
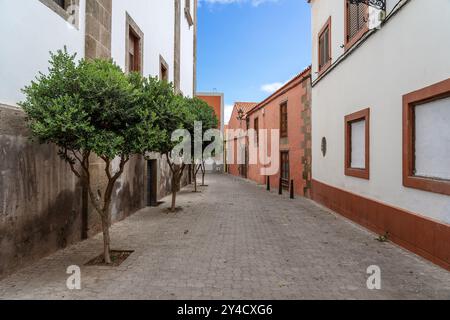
<point x="34" y="28"/>
<point x="37" y="189"/>
<point x="381" y="118"/>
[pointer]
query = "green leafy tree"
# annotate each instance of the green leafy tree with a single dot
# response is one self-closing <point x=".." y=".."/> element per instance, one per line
<point x="91" y="108"/>
<point x="204" y="114"/>
<point x="171" y="114"/>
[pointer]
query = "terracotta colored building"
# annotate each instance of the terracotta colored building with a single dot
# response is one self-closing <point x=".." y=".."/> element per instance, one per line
<point x="216" y="101"/>
<point x="289" y="110"/>
<point x="238" y="120"/>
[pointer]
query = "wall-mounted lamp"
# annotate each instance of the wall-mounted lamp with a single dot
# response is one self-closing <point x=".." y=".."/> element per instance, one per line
<point x="240" y="116"/>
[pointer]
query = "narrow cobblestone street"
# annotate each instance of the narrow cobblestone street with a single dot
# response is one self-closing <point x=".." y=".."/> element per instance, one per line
<point x="235" y="241"/>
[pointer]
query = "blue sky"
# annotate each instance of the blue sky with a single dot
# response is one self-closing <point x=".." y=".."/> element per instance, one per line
<point x="249" y="48"/>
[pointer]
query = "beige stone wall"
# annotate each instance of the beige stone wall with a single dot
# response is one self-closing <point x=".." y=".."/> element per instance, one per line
<point x="98" y="28"/>
<point x="306" y="133"/>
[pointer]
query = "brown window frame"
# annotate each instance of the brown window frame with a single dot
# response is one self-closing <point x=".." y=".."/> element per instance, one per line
<point x="284" y="125"/>
<point x="324" y="67"/>
<point x="163" y="69"/>
<point x="134" y="58"/>
<point x="256" y="128"/>
<point x="132" y="30"/>
<point x="363" y="115"/>
<point x="285" y="182"/>
<point x="350" y="42"/>
<point x="61" y="10"/>
<point x="434" y="92"/>
<point x="61" y="3"/>
<point x="187" y="12"/>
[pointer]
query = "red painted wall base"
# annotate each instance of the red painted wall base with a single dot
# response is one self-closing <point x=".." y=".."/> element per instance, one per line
<point x="423" y="236"/>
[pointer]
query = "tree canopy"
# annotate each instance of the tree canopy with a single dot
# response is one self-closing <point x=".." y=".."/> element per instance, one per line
<point x="91" y="107"/>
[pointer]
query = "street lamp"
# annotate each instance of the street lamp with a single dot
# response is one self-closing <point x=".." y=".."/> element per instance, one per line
<point x="240" y="116"/>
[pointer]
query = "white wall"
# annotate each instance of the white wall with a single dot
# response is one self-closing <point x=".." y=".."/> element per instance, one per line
<point x="156" y="19"/>
<point x="187" y="53"/>
<point x="28" y="31"/>
<point x="407" y="54"/>
<point x="321" y="10"/>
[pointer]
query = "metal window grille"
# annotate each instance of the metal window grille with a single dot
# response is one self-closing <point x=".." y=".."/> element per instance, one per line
<point x="283" y="121"/>
<point x="285" y="169"/>
<point x="256" y="127"/>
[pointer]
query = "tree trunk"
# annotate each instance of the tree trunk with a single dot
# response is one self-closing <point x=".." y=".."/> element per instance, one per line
<point x="203" y="174"/>
<point x="106" y="241"/>
<point x="177" y="172"/>
<point x="196" y="169"/>
<point x="105" y="210"/>
<point x="106" y="218"/>
<point x="174" y="190"/>
<point x="194" y="173"/>
<point x="174" y="200"/>
<point x="195" y="182"/>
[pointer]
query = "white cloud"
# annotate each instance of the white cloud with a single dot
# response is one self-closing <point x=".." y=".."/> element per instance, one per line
<point x="271" y="87"/>
<point x="228" y="112"/>
<point x="254" y="3"/>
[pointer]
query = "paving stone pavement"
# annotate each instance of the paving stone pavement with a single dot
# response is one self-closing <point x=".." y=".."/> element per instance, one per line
<point x="235" y="241"/>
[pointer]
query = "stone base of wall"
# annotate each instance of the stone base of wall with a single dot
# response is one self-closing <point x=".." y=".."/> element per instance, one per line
<point x="128" y="195"/>
<point x="165" y="176"/>
<point x="40" y="198"/>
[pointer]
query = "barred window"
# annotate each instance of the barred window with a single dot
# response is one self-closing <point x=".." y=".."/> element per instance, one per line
<point x="256" y="128"/>
<point x="283" y="120"/>
<point x="356" y="19"/>
<point x="285" y="174"/>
